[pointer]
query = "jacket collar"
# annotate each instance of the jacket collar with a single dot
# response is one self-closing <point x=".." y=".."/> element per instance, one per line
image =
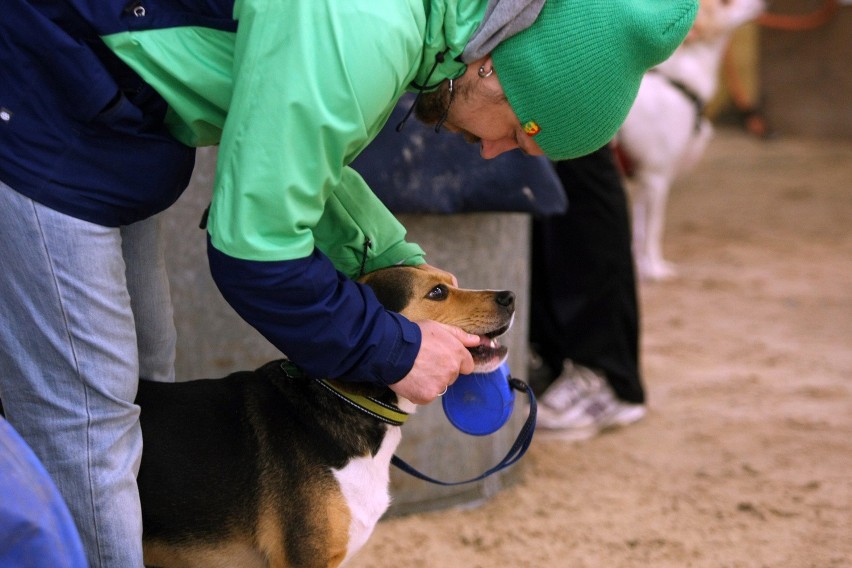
<point x="449" y="26"/>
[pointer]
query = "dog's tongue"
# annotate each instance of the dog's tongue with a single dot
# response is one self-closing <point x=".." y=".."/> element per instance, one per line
<point x="487" y="352"/>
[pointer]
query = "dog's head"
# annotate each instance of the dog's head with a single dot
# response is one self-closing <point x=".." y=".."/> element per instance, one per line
<point x="423" y="294"/>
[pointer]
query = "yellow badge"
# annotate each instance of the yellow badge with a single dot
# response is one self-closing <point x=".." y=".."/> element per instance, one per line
<point x="531" y="128"/>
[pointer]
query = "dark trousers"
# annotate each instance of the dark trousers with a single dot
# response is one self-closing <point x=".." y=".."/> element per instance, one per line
<point x="584" y="302"/>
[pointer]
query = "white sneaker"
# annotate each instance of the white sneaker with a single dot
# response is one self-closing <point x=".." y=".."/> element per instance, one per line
<point x="604" y="410"/>
<point x="560" y="404"/>
<point x="573" y="384"/>
<point x="583" y="406"/>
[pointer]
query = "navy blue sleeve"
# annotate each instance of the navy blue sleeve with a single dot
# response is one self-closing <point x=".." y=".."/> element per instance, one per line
<point x="327" y="324"/>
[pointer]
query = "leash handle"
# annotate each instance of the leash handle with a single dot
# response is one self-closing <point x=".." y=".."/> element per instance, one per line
<point x="518" y="449"/>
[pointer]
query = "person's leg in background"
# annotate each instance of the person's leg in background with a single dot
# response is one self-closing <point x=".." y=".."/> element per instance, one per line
<point x="69" y="362"/>
<point x="584" y="320"/>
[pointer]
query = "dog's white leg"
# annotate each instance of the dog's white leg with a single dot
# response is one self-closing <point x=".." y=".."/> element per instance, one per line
<point x="649" y="225"/>
<point x="639" y="224"/>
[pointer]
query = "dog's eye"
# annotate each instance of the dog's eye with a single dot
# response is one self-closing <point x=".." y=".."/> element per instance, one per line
<point x="438" y="293"/>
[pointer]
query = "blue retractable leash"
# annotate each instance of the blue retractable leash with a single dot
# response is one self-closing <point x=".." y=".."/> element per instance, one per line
<point x="479" y="405"/>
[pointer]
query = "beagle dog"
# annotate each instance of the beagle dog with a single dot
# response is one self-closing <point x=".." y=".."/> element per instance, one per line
<point x="272" y="468"/>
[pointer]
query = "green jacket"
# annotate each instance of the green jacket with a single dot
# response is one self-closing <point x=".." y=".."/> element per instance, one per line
<point x="325" y="76"/>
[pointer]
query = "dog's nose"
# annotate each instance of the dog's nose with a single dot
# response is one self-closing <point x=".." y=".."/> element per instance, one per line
<point x="506" y="299"/>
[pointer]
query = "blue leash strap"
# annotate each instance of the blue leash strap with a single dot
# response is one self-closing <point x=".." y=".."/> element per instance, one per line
<point x="516" y="452"/>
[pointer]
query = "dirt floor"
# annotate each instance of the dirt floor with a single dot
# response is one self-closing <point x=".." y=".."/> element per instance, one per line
<point x="745" y="457"/>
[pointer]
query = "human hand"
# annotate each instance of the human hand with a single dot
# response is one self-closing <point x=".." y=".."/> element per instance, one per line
<point x="442" y="357"/>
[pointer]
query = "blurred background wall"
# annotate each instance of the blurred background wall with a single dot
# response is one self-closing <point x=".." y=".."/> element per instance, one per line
<point x="806" y="74"/>
<point x="796" y="63"/>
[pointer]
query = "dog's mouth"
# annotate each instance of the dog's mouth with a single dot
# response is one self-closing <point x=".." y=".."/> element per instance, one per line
<point x="488" y="355"/>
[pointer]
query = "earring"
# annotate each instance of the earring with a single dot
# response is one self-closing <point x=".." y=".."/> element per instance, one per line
<point x="485" y="74"/>
<point x="443" y="118"/>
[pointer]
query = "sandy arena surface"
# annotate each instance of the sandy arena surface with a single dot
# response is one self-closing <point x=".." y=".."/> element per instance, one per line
<point x="745" y="457"/>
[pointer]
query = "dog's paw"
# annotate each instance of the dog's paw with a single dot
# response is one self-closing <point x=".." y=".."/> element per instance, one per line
<point x="656" y="271"/>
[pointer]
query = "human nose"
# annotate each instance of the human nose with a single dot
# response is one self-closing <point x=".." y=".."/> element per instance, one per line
<point x="492" y="148"/>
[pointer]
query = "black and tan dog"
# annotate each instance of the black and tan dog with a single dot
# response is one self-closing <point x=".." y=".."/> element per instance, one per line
<point x="268" y="468"/>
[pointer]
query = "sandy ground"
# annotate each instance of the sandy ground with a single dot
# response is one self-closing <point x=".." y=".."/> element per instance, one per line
<point x="745" y="457"/>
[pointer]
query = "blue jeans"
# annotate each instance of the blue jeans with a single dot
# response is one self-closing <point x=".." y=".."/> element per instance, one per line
<point x="86" y="312"/>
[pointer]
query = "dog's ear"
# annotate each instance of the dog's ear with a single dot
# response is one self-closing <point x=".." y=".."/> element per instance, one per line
<point x="392" y="286"/>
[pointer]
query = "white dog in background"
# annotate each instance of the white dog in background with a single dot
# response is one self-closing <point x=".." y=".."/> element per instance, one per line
<point x="665" y="132"/>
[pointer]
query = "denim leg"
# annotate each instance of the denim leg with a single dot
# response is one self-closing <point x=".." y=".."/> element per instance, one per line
<point x="150" y="299"/>
<point x="69" y="367"/>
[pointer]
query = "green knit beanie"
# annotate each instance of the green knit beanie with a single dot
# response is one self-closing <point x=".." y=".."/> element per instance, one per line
<point x="572" y="76"/>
